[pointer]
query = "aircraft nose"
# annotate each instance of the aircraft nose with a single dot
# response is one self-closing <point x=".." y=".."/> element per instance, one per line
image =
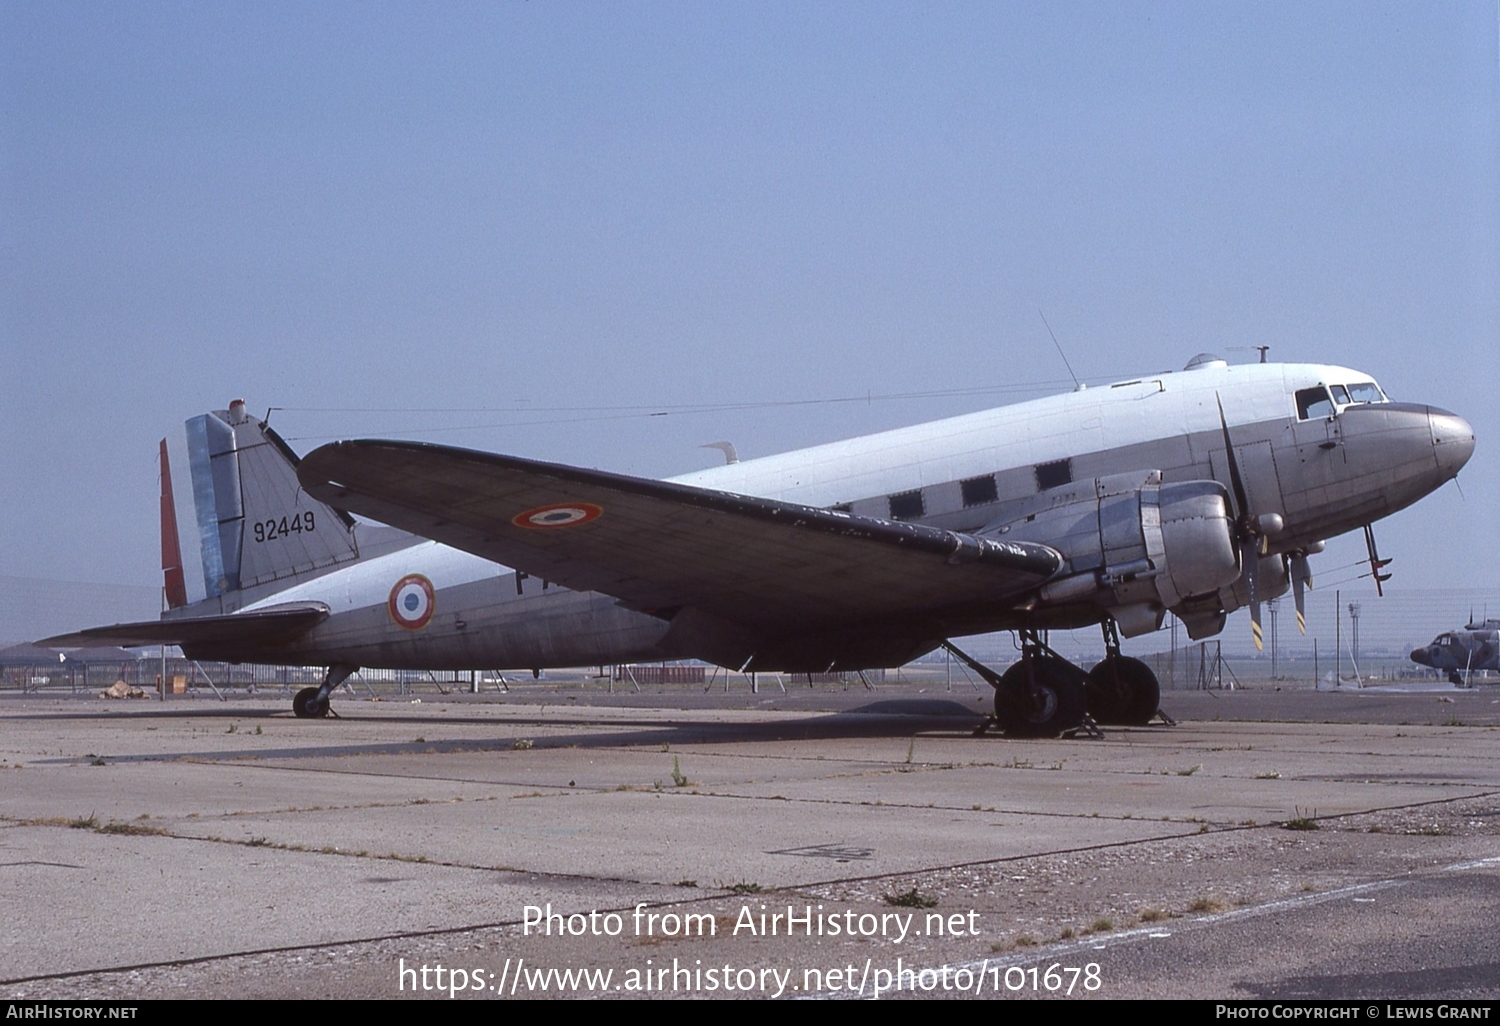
<point x="1421" y="656"/>
<point x="1452" y="440"/>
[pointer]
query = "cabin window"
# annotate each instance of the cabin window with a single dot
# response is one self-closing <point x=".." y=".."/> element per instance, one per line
<point x="907" y="506"/>
<point x="979" y="490"/>
<point x="1366" y="392"/>
<point x="1052" y="475"/>
<point x="1313" y="402"/>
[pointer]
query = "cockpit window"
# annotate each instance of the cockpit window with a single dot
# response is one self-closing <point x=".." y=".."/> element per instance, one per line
<point x="1313" y="402"/>
<point x="1366" y="392"/>
<point x="1340" y="395"/>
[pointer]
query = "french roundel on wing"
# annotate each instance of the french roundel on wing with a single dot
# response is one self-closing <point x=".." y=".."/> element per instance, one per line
<point x="562" y="514"/>
<point x="412" y="602"/>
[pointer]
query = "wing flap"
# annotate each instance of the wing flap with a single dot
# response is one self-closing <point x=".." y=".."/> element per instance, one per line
<point x="659" y="546"/>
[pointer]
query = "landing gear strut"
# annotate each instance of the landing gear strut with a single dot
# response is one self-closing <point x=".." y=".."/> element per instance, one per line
<point x="1120" y="689"/>
<point x="312" y="703"/>
<point x="1039" y="696"/>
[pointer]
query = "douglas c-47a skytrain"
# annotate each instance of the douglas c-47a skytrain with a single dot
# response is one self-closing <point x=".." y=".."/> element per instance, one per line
<point x="1195" y="492"/>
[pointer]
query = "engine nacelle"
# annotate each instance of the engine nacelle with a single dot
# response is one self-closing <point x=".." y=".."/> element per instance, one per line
<point x="1132" y="545"/>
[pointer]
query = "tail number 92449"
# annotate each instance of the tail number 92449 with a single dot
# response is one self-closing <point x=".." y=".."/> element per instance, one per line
<point x="270" y="530"/>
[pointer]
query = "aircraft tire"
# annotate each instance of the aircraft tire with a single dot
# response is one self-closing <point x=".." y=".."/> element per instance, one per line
<point x="1128" y="695"/>
<point x="305" y="705"/>
<point x="1056" y="705"/>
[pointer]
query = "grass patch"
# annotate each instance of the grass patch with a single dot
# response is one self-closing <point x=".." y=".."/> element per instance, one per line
<point x="1190" y="770"/>
<point x="686" y="883"/>
<point x="911" y="899"/>
<point x="744" y="887"/>
<point x="520" y="744"/>
<point x="1152" y="915"/>
<point x="1206" y="904"/>
<point x="1067" y="934"/>
<point x="1025" y="940"/>
<point x="678" y="780"/>
<point x="1102" y="925"/>
<point x="1302" y="820"/>
<point x="1268" y="775"/>
<point x="132" y="829"/>
<point x="84" y="823"/>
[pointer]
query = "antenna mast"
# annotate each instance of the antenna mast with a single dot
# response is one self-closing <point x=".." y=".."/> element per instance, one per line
<point x="1076" y="383"/>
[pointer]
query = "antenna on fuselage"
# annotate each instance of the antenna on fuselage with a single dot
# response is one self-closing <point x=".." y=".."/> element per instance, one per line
<point x="1262" y="350"/>
<point x="1077" y="385"/>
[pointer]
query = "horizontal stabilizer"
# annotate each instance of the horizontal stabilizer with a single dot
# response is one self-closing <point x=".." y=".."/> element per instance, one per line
<point x="270" y="626"/>
<point x="658" y="546"/>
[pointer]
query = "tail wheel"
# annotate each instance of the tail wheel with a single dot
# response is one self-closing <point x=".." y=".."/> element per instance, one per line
<point x="1122" y="690"/>
<point x="1045" y="702"/>
<point x="305" y="704"/>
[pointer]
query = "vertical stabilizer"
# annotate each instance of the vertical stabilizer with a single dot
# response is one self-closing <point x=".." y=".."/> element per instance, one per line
<point x="255" y="524"/>
<point x="174" y="585"/>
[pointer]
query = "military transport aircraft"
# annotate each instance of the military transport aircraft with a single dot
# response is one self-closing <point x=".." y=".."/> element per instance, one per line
<point x="1462" y="652"/>
<point x="1195" y="492"/>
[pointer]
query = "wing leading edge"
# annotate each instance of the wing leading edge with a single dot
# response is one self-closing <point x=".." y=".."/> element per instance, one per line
<point x="767" y="568"/>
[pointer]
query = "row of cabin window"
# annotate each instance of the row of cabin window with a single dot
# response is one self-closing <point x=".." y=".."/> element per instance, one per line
<point x="977" y="491"/>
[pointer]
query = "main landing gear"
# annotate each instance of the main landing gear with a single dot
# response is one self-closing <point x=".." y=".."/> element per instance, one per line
<point x="1039" y="696"/>
<point x="312" y="703"/>
<point x="1121" y="690"/>
<point x="1044" y="695"/>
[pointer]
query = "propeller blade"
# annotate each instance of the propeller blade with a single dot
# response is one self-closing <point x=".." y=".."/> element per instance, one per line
<point x="1249" y="554"/>
<point x="1301" y="579"/>
<point x="1234" y="464"/>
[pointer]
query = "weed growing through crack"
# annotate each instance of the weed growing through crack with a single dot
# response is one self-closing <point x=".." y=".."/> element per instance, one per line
<point x="911" y="899"/>
<point x="1302" y="820"/>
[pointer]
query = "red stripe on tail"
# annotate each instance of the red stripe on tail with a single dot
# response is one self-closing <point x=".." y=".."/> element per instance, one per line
<point x="173" y="584"/>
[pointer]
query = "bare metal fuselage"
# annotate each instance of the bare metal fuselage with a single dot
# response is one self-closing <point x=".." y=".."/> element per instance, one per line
<point x="1323" y="474"/>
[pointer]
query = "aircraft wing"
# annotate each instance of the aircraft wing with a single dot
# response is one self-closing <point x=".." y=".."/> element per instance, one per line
<point x="261" y="627"/>
<point x="659" y="547"/>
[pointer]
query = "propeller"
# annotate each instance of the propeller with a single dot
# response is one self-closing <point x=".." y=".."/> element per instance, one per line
<point x="1301" y="575"/>
<point x="1251" y="533"/>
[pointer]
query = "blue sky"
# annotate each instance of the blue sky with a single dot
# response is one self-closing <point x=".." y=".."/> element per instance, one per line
<point x="522" y="214"/>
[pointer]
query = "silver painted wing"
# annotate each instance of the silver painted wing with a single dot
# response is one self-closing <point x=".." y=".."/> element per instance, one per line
<point x="660" y="547"/>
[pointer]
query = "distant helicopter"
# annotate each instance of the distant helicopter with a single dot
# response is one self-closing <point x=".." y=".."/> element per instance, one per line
<point x="1461" y="652"/>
